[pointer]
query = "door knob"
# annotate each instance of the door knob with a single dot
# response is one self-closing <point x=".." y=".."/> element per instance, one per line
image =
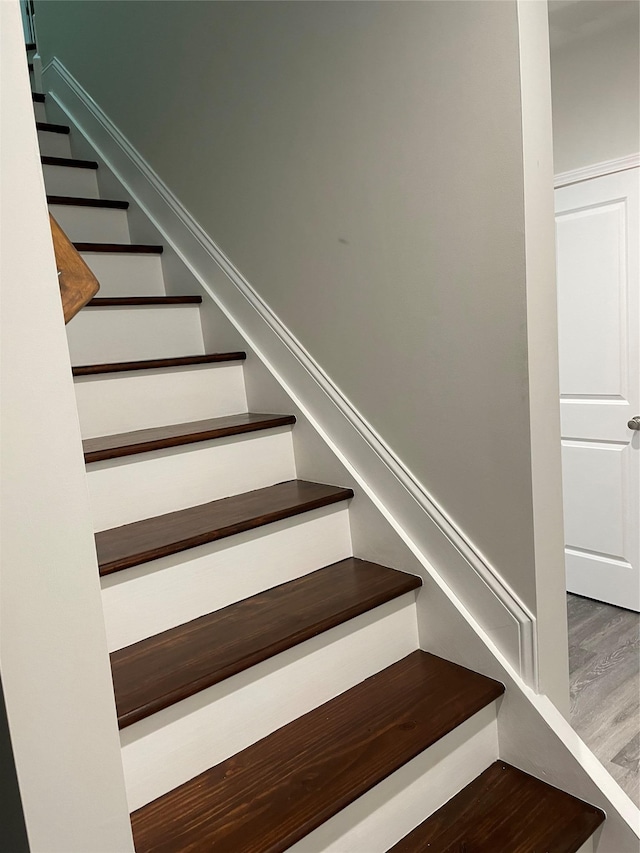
<point x="634" y="423"/>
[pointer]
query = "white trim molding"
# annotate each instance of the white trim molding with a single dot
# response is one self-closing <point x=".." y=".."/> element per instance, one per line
<point x="414" y="514"/>
<point x="597" y="170"/>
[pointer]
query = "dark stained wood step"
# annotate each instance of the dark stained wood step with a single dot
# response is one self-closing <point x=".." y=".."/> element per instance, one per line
<point x="276" y="791"/>
<point x="76" y="201"/>
<point x="119" y="301"/>
<point x="68" y="162"/>
<point x="162" y="670"/>
<point x="174" y="435"/>
<point x="509" y="811"/>
<point x="52" y="128"/>
<point x="120" y="248"/>
<point x="37" y="97"/>
<point x="157" y="363"/>
<point x="142" y="541"/>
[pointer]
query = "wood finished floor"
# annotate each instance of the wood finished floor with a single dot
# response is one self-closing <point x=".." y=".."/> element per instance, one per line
<point x="604" y="661"/>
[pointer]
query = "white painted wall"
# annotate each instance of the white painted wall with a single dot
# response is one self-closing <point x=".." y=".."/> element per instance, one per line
<point x="595" y="65"/>
<point x="53" y="653"/>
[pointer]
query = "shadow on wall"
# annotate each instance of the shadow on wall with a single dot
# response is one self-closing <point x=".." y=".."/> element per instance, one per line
<point x="13" y="833"/>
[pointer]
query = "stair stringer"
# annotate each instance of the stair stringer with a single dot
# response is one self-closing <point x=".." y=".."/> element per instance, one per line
<point x="498" y="638"/>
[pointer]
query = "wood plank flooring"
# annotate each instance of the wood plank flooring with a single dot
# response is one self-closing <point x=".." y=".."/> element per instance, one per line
<point x="504" y="810"/>
<point x="604" y="663"/>
<point x="267" y="797"/>
<point x="161" y="670"/>
<point x="152" y="538"/>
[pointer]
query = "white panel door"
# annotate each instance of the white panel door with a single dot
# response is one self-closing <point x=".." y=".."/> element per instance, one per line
<point x="597" y="227"/>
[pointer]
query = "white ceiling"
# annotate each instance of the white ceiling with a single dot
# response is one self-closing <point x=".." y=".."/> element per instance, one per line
<point x="571" y="20"/>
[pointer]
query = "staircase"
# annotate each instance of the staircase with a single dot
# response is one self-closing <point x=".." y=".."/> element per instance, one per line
<point x="270" y="689"/>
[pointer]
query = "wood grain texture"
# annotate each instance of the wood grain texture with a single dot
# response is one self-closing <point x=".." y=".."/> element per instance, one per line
<point x="120" y="248"/>
<point x="604" y="666"/>
<point x="132" y="544"/>
<point x="77" y="282"/>
<point x="78" y="201"/>
<point x="157" y="363"/>
<point x="52" y="128"/>
<point x="276" y="791"/>
<point x="167" y="668"/>
<point x="174" y="435"/>
<point x="68" y="162"/>
<point x="505" y="811"/>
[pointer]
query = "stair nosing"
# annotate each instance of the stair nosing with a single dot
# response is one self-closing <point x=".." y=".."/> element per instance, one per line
<point x="119" y="248"/>
<point x="156" y="363"/>
<point x="341" y="613"/>
<point x="38" y="97"/>
<point x="470" y="805"/>
<point x="211" y="534"/>
<point x="384" y="720"/>
<point x="67" y="162"/>
<point x="133" y="448"/>
<point x="79" y="201"/>
<point x="141" y="301"/>
<point x="50" y="127"/>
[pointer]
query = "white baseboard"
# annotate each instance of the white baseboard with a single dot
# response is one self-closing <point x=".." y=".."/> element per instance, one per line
<point x="404" y="501"/>
<point x="597" y="170"/>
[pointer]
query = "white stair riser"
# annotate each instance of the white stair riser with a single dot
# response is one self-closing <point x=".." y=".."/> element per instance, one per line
<point x="40" y="111"/>
<point x="93" y="225"/>
<point x="148" y="599"/>
<point x="54" y="144"/>
<point x="174" y="745"/>
<point x="69" y="180"/>
<point x="119" y="402"/>
<point x="385" y="814"/>
<point x="130" y="333"/>
<point x="127" y="275"/>
<point x="148" y="484"/>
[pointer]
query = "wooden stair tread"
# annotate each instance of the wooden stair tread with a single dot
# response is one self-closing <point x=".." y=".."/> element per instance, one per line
<point x="116" y="301"/>
<point x="174" y="435"/>
<point x="37" y="97"/>
<point x="78" y="201"/>
<point x="507" y="810"/>
<point x="156" y="363"/>
<point x="69" y="162"/>
<point x="159" y="671"/>
<point x="52" y="128"/>
<point x="141" y="541"/>
<point x="278" y="790"/>
<point x="120" y="248"/>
